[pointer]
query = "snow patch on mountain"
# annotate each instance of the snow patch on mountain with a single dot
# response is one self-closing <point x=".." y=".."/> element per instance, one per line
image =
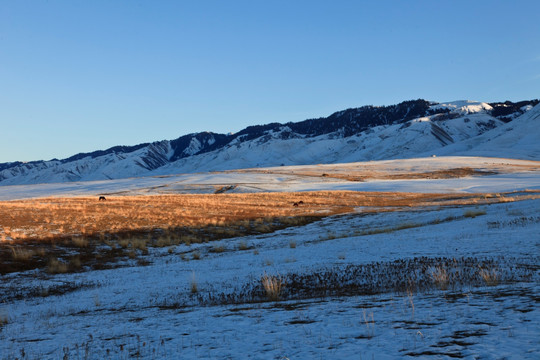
<point x="382" y="142"/>
<point x="519" y="138"/>
<point x="463" y="106"/>
<point x="352" y="135"/>
<point x="193" y="147"/>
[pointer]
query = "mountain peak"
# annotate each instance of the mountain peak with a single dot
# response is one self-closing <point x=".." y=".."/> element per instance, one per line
<point x="356" y="134"/>
<point x="464" y="106"/>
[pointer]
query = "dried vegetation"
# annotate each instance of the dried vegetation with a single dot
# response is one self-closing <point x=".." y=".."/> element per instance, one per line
<point x="406" y="276"/>
<point x="72" y="234"/>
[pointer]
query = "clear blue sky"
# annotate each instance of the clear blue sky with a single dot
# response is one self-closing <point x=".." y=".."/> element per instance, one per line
<point x="78" y="76"/>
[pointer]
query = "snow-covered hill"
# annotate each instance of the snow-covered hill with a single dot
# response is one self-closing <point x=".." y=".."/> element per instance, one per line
<point x="409" y="129"/>
<point x="519" y="138"/>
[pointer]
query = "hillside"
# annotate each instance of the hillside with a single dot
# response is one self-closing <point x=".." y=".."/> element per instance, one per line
<point x="409" y="129"/>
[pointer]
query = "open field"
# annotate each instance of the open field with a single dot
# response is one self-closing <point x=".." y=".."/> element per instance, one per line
<point x="46" y="218"/>
<point x="426" y="175"/>
<point x="408" y="169"/>
<point x="74" y="234"/>
<point x="344" y="274"/>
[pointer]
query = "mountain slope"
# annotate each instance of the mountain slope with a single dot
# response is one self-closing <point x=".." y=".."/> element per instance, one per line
<point x="404" y="130"/>
<point x="519" y="138"/>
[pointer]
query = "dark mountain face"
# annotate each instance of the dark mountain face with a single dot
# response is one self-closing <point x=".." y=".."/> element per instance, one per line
<point x="208" y="142"/>
<point x="349" y="122"/>
<point x="505" y="111"/>
<point x="113" y="150"/>
<point x="353" y="121"/>
<point x="344" y="123"/>
<point x="4" y="166"/>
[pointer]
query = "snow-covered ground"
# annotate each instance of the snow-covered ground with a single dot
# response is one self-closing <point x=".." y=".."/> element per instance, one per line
<point x="511" y="175"/>
<point x="150" y="311"/>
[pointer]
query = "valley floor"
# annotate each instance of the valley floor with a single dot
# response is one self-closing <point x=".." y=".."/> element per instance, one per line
<point x="425" y="175"/>
<point x="454" y="281"/>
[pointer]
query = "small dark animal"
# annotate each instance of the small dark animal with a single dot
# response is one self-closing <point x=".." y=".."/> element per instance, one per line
<point x="102" y="198"/>
<point x="295" y="204"/>
<point x="300" y="202"/>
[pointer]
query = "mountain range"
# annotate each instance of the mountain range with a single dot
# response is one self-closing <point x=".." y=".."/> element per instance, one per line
<point x="409" y="129"/>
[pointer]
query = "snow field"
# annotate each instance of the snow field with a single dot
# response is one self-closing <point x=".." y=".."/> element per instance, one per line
<point x="150" y="311"/>
<point x="512" y="175"/>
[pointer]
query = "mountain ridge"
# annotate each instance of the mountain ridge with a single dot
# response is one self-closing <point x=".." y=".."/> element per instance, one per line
<point x="355" y="134"/>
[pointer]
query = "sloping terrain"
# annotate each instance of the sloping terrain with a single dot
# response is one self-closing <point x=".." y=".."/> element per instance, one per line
<point x="429" y="175"/>
<point x="410" y="129"/>
<point x="453" y="277"/>
<point x="519" y="138"/>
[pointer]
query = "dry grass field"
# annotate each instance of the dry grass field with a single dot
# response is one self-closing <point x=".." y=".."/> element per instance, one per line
<point x="383" y="174"/>
<point x="47" y="218"/>
<point x="368" y="171"/>
<point x="387" y="268"/>
<point x="69" y="234"/>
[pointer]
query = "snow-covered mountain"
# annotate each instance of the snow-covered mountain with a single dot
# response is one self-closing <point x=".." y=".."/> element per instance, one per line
<point x="519" y="138"/>
<point x="409" y="129"/>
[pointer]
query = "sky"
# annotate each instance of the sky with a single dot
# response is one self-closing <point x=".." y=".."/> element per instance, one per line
<point x="78" y="76"/>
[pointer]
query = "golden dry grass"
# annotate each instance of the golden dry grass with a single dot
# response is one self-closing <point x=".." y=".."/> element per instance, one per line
<point x="21" y="254"/>
<point x="490" y="276"/>
<point x="439" y="276"/>
<point x="273" y="286"/>
<point x="56" y="266"/>
<point x="381" y="171"/>
<point x="47" y="218"/>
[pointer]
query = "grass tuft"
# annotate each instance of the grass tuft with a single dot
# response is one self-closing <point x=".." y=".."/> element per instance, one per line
<point x="217" y="249"/>
<point x="273" y="285"/>
<point x="369" y="322"/>
<point x="474" y="213"/>
<point x="80" y="242"/>
<point x="439" y="276"/>
<point x="56" y="266"/>
<point x="4" y="318"/>
<point x="194" y="286"/>
<point x="21" y="254"/>
<point x="490" y="277"/>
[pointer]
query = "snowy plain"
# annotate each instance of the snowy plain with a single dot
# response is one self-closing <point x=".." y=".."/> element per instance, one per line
<point x="129" y="312"/>
<point x="510" y="175"/>
<point x="150" y="312"/>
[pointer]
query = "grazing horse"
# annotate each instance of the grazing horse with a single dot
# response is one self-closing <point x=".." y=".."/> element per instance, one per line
<point x="102" y="198"/>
